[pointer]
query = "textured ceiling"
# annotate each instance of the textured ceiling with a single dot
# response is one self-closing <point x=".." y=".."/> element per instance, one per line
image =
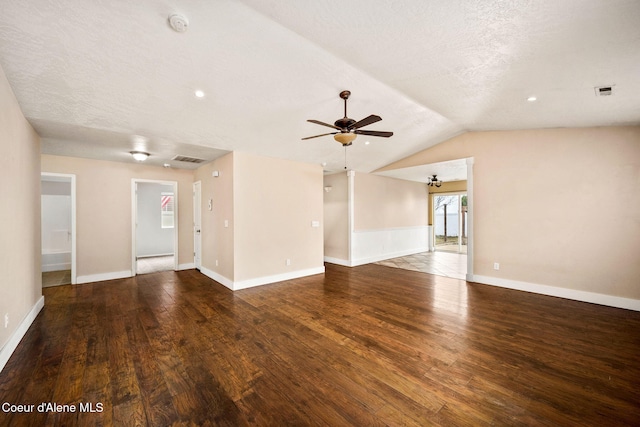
<point x="90" y="76"/>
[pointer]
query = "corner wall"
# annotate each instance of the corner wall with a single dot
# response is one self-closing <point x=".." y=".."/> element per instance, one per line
<point x="390" y="218"/>
<point x="279" y="220"/>
<point x="217" y="240"/>
<point x="372" y="218"/>
<point x="336" y="218"/>
<point x="266" y="222"/>
<point x="557" y="208"/>
<point x="21" y="284"/>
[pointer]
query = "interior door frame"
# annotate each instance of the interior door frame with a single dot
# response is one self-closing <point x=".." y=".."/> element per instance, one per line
<point x="459" y="208"/>
<point x="197" y="209"/>
<point x="67" y="177"/>
<point x="134" y="220"/>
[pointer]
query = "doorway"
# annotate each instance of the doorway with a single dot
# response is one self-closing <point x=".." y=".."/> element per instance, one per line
<point x="450" y="221"/>
<point x="58" y="229"/>
<point x="154" y="226"/>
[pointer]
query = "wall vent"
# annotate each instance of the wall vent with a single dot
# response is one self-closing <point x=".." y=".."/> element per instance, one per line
<point x="188" y="159"/>
<point x="603" y="90"/>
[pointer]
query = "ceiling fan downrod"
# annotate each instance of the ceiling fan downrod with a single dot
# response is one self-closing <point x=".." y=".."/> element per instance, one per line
<point x="345" y="95"/>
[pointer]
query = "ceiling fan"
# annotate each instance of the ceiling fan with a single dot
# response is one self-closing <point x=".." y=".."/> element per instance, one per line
<point x="348" y="129"/>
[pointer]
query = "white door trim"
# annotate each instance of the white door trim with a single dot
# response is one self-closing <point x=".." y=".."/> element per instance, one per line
<point x="470" y="213"/>
<point x="197" y="228"/>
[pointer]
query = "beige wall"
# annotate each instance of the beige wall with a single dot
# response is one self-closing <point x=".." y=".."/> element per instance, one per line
<point x="336" y="216"/>
<point x="556" y="207"/>
<point x="382" y="202"/>
<point x="103" y="217"/>
<point x="275" y="202"/>
<point x="217" y="240"/>
<point x="21" y="283"/>
<point x="446" y="187"/>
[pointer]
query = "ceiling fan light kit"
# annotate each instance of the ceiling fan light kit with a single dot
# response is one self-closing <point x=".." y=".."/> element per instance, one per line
<point x="348" y="129"/>
<point x="345" y="138"/>
<point x="433" y="181"/>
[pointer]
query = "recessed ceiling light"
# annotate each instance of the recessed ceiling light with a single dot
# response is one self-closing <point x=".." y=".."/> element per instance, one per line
<point x="199" y="93"/>
<point x="532" y="99"/>
<point x="367" y="143"/>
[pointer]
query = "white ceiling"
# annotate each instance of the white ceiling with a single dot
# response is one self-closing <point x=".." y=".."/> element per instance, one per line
<point x="90" y="75"/>
<point x="452" y="170"/>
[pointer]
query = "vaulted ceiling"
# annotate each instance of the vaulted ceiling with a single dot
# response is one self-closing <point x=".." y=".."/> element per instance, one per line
<point x="91" y="75"/>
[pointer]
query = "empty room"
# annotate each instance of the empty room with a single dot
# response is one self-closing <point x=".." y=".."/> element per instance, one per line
<point x="243" y="212"/>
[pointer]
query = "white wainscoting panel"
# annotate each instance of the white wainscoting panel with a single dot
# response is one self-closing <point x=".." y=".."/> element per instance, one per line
<point x="377" y="245"/>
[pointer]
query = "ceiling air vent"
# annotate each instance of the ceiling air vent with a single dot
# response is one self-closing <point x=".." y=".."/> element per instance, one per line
<point x="603" y="90"/>
<point x="188" y="159"/>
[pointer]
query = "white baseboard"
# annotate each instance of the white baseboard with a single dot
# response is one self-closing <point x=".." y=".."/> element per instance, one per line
<point x="259" y="281"/>
<point x="590" y="297"/>
<point x="12" y="344"/>
<point x="56" y="267"/>
<point x="154" y="255"/>
<point x="362" y="261"/>
<point x="103" y="276"/>
<point x="368" y="260"/>
<point x="338" y="261"/>
<point x="189" y="266"/>
<point x="217" y="277"/>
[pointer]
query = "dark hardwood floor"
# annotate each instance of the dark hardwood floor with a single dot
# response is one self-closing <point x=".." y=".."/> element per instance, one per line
<point x="370" y="345"/>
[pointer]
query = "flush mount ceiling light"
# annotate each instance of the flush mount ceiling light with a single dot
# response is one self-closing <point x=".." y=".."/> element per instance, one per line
<point x="433" y="181"/>
<point x="139" y="156"/>
<point x="532" y="99"/>
<point x="199" y="93"/>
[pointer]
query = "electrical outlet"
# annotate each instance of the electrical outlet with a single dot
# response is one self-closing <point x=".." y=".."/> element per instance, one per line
<point x="6" y="320"/>
<point x="216" y="263"/>
<point x="288" y="261"/>
<point x="496" y="266"/>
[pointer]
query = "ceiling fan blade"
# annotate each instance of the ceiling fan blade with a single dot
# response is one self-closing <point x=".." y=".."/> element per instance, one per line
<point x="366" y="121"/>
<point x="318" y="122"/>
<point x="324" y="134"/>
<point x="373" y="133"/>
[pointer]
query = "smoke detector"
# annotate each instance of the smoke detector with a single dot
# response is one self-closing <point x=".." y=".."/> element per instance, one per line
<point x="179" y="23"/>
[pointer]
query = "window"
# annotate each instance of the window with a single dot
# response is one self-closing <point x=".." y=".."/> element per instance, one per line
<point x="166" y="210"/>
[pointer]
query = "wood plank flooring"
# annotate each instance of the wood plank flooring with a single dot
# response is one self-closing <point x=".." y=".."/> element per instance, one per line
<point x="370" y="345"/>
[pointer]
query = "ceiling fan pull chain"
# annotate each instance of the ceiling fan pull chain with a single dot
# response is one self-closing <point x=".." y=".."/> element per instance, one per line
<point x="345" y="157"/>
